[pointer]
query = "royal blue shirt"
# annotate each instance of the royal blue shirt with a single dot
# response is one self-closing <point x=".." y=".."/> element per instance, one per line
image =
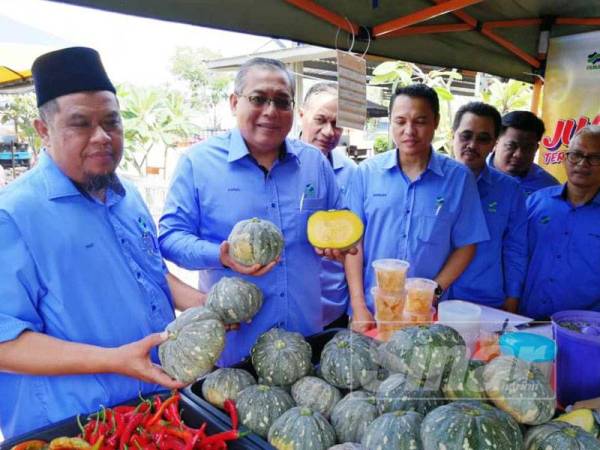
<point x="79" y="270"/>
<point x="217" y="183"/>
<point x="535" y="179"/>
<point x="498" y="269"/>
<point x="564" y="254"/>
<point x="421" y="221"/>
<point x="334" y="295"/>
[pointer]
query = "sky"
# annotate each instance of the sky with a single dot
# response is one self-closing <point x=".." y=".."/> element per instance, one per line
<point x="133" y="49"/>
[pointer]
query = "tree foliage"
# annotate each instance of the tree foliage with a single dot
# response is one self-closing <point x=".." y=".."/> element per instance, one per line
<point x="508" y="96"/>
<point x="21" y="111"/>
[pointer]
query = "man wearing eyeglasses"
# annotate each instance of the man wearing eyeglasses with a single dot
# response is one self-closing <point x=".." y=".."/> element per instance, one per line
<point x="515" y="151"/>
<point x="254" y="171"/>
<point x="496" y="274"/>
<point x="564" y="235"/>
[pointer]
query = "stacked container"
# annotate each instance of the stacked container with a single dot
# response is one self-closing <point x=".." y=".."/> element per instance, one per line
<point x="389" y="295"/>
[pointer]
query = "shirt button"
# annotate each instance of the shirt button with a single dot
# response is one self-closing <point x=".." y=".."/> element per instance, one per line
<point x="557" y="256"/>
<point x="122" y="241"/>
<point x="139" y="275"/>
<point x="408" y="211"/>
<point x="282" y="294"/>
<point x="273" y="205"/>
<point x="404" y="235"/>
<point x="566" y="233"/>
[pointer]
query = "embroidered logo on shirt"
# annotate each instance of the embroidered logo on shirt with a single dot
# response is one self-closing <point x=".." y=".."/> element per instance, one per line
<point x="492" y="206"/>
<point x="233" y="189"/>
<point x="90" y="245"/>
<point x="309" y="191"/>
<point x="544" y="220"/>
<point x="439" y="202"/>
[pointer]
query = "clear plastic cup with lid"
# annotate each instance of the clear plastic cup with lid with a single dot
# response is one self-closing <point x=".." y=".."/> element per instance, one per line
<point x="419" y="295"/>
<point x="388" y="311"/>
<point x="391" y="274"/>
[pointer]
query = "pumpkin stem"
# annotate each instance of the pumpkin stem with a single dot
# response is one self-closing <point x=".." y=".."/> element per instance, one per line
<point x="279" y="344"/>
<point x="305" y="412"/>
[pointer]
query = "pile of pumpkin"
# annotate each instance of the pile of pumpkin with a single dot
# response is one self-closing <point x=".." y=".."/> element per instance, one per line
<point x="417" y="391"/>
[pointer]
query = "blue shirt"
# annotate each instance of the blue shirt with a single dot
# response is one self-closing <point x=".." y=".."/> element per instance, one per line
<point x="535" y="179"/>
<point x="564" y="254"/>
<point x="78" y="270"/>
<point x="422" y="221"/>
<point x="217" y="183"/>
<point x="498" y="269"/>
<point x="334" y="288"/>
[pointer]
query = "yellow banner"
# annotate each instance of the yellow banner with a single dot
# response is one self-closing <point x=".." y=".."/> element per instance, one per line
<point x="571" y="95"/>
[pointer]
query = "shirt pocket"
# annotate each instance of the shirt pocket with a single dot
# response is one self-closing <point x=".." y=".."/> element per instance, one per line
<point x="434" y="229"/>
<point x="309" y="206"/>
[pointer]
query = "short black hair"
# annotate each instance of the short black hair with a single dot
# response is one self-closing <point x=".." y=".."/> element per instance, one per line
<point x="524" y="121"/>
<point x="479" y="109"/>
<point x="418" y="90"/>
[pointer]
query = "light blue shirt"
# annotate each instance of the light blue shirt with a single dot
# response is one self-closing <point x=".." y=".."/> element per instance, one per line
<point x="535" y="179"/>
<point x="217" y="183"/>
<point x="422" y="221"/>
<point x="564" y="254"/>
<point x="78" y="270"/>
<point x="334" y="295"/>
<point x="498" y="269"/>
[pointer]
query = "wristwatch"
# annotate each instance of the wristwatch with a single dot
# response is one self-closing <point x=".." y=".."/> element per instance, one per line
<point x="439" y="291"/>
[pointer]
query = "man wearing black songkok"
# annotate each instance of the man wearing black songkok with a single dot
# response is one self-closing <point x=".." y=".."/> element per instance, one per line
<point x="84" y="294"/>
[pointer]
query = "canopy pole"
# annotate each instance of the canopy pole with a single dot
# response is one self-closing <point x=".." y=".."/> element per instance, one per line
<point x="538" y="86"/>
<point x="323" y="13"/>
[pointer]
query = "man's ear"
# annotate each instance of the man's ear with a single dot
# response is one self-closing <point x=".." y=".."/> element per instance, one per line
<point x="41" y="128"/>
<point x="233" y="100"/>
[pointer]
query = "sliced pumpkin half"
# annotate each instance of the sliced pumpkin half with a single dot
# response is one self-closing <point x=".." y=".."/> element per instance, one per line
<point x="337" y="229"/>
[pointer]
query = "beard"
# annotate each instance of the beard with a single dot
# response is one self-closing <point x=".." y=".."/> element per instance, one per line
<point x="99" y="183"/>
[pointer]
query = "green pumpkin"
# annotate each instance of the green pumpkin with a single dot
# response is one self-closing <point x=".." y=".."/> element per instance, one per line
<point x="556" y="435"/>
<point x="234" y="300"/>
<point x="225" y="384"/>
<point x="397" y="430"/>
<point x="255" y="241"/>
<point x="425" y="351"/>
<point x="465" y="382"/>
<point x="470" y="425"/>
<point x="316" y="394"/>
<point x="519" y="389"/>
<point x="347" y="446"/>
<point x="196" y="341"/>
<point x="301" y="428"/>
<point x="352" y="415"/>
<point x="349" y="360"/>
<point x="260" y="405"/>
<point x="400" y="392"/>
<point x="382" y="375"/>
<point x="280" y="358"/>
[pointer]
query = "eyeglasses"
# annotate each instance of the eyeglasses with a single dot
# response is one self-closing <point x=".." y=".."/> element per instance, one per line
<point x="577" y="157"/>
<point x="481" y="139"/>
<point x="260" y="101"/>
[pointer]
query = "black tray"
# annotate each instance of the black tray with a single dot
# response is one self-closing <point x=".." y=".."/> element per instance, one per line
<point x="191" y="413"/>
<point x="194" y="392"/>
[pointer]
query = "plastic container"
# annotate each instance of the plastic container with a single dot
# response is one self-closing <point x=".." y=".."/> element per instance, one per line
<point x="191" y="413"/>
<point x="464" y="317"/>
<point x="194" y="392"/>
<point x="410" y="319"/>
<point x="578" y="355"/>
<point x="419" y="295"/>
<point x="537" y="350"/>
<point x="391" y="274"/>
<point x="388" y="312"/>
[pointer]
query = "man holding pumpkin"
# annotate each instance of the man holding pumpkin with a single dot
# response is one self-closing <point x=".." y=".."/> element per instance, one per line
<point x="84" y="291"/>
<point x="254" y="171"/>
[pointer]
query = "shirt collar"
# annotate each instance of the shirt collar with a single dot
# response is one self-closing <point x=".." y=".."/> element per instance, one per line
<point x="238" y="148"/>
<point x="58" y="185"/>
<point x="561" y="192"/>
<point x="485" y="175"/>
<point x="392" y="160"/>
<point x="337" y="159"/>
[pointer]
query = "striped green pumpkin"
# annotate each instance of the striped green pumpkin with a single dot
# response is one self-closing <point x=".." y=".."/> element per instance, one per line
<point x="196" y="341"/>
<point x="470" y="425"/>
<point x="556" y="435"/>
<point x="519" y="389"/>
<point x="424" y="351"/>
<point x="255" y="241"/>
<point x="399" y="430"/>
<point x="352" y="415"/>
<point x="301" y="429"/>
<point x="234" y="300"/>
<point x="348" y="446"/>
<point x="465" y="382"/>
<point x="316" y="394"/>
<point x="260" y="405"/>
<point x="225" y="384"/>
<point x="400" y="392"/>
<point x="349" y="360"/>
<point x="280" y="358"/>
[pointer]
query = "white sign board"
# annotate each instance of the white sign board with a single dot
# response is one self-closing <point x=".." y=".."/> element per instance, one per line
<point x="352" y="91"/>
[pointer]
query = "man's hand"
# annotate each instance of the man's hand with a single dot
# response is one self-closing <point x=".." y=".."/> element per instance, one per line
<point x="511" y="304"/>
<point x="256" y="270"/>
<point x="134" y="361"/>
<point x="335" y="254"/>
<point x="362" y="320"/>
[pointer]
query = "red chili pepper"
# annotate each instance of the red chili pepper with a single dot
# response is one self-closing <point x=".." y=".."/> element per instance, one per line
<point x="123" y="409"/>
<point x="157" y="416"/>
<point x="230" y="435"/>
<point x="128" y="431"/>
<point x="172" y="414"/>
<point x="230" y="408"/>
<point x="170" y="443"/>
<point x="157" y="402"/>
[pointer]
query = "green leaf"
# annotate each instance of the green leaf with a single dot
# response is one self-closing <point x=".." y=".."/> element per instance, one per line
<point x="443" y="93"/>
<point x="385" y="68"/>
